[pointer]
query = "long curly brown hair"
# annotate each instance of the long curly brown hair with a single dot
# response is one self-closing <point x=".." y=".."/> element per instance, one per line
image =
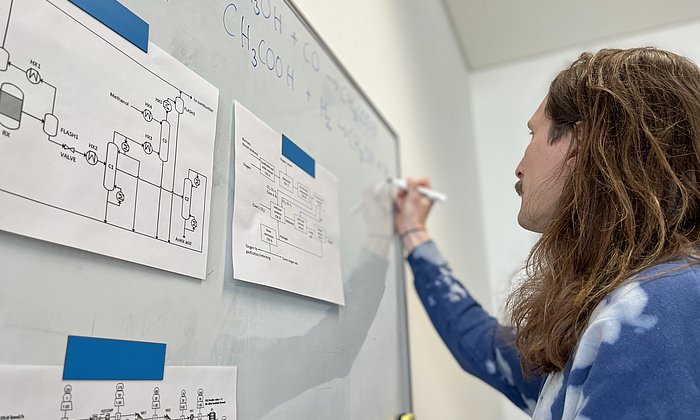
<point x="632" y="200"/>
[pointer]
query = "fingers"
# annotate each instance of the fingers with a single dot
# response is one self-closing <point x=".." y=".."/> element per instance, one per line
<point x="411" y="208"/>
<point x="418" y="182"/>
<point x="413" y="186"/>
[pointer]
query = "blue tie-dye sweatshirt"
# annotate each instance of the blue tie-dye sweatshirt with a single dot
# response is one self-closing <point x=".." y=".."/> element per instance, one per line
<point x="638" y="358"/>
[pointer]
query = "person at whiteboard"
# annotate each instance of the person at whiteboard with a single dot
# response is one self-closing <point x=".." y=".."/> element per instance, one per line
<point x="605" y="324"/>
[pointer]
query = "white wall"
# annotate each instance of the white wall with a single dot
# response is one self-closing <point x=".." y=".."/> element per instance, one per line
<point x="405" y="57"/>
<point x="503" y="99"/>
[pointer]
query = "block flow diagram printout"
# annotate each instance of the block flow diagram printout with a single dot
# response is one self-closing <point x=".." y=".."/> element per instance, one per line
<point x="102" y="147"/>
<point x="285" y="214"/>
<point x="185" y="393"/>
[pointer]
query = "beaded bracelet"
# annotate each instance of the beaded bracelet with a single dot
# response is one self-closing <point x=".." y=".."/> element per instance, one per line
<point x="410" y="231"/>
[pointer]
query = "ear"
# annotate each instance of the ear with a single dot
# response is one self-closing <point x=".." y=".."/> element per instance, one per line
<point x="576" y="137"/>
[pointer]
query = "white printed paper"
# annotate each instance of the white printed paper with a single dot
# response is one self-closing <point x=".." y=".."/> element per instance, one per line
<point x="186" y="392"/>
<point x="102" y="146"/>
<point x="285" y="222"/>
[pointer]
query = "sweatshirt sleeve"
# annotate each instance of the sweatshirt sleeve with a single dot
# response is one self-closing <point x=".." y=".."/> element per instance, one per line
<point x="637" y="359"/>
<point x="478" y="342"/>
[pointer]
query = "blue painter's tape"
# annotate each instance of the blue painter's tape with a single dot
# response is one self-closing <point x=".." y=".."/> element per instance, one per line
<point x="119" y="19"/>
<point x="90" y="358"/>
<point x="294" y="153"/>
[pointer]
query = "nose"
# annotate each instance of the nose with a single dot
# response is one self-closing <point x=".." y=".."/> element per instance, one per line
<point x="519" y="170"/>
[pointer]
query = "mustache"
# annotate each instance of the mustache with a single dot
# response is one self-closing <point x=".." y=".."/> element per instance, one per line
<point x="519" y="187"/>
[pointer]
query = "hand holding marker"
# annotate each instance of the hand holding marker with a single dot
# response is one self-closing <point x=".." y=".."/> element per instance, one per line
<point x="426" y="192"/>
<point x="401" y="184"/>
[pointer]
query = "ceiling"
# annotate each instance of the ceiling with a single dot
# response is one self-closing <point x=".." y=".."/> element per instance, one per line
<point x="496" y="31"/>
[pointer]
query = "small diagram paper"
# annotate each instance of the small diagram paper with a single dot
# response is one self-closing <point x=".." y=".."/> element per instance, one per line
<point x="186" y="392"/>
<point x="285" y="215"/>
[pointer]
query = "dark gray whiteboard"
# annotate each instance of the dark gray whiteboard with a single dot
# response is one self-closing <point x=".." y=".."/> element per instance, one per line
<point x="298" y="358"/>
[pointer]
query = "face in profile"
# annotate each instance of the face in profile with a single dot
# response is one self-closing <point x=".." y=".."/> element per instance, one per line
<point x="542" y="172"/>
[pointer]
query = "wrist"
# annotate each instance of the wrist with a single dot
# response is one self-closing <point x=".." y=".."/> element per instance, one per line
<point x="413" y="237"/>
<point x="411" y="230"/>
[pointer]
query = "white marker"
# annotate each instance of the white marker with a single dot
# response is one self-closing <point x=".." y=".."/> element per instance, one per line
<point x="431" y="194"/>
